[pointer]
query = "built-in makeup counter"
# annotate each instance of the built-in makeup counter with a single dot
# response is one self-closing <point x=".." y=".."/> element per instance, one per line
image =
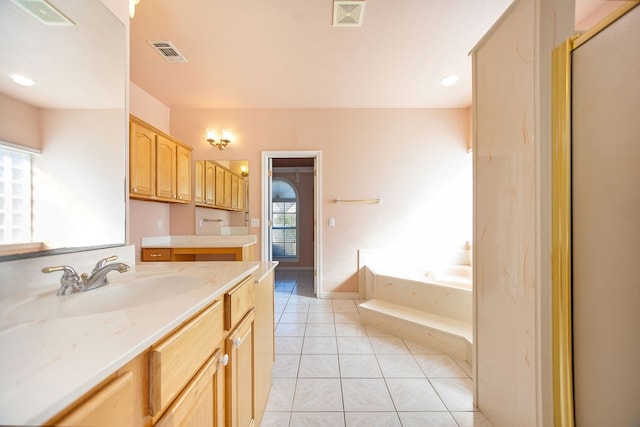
<point x="198" y="248"/>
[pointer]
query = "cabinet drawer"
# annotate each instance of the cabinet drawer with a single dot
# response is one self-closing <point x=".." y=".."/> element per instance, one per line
<point x="200" y="403"/>
<point x="238" y="301"/>
<point x="175" y="360"/>
<point x="149" y="254"/>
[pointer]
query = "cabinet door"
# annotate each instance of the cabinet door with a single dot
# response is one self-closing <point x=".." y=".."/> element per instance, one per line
<point x="239" y="372"/>
<point x="165" y="168"/>
<point x="111" y="406"/>
<point x="241" y="190"/>
<point x="234" y="192"/>
<point x="183" y="173"/>
<point x="201" y="403"/>
<point x="198" y="185"/>
<point x="227" y="189"/>
<point x="142" y="161"/>
<point x="210" y="183"/>
<point x="219" y="187"/>
<point x="263" y="343"/>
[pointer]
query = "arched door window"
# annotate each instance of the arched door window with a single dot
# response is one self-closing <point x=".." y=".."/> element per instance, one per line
<point x="284" y="240"/>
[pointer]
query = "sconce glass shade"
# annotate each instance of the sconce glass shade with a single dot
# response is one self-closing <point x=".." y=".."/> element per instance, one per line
<point x="132" y="7"/>
<point x="212" y="138"/>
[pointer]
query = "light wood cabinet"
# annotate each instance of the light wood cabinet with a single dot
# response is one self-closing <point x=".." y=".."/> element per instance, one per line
<point x="202" y="402"/>
<point x="240" y="375"/>
<point x="264" y="345"/>
<point x="217" y="187"/>
<point x="159" y="165"/>
<point x="213" y="370"/>
<point x="120" y="400"/>
<point x="198" y="185"/>
<point x="177" y="358"/>
<point x="142" y="171"/>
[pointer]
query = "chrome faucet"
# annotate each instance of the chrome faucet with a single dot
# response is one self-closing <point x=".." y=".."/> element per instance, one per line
<point x="71" y="283"/>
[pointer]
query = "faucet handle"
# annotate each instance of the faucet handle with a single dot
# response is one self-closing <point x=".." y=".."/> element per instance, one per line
<point x="103" y="262"/>
<point x="69" y="279"/>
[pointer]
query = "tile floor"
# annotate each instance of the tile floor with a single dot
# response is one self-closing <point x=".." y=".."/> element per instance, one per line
<point x="332" y="371"/>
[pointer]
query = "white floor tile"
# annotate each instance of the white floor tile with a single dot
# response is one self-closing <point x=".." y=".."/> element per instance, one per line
<point x="293" y="318"/>
<point x="470" y="419"/>
<point x="399" y="366"/>
<point x="320" y="317"/>
<point x="347" y="317"/>
<point x="350" y="330"/>
<point x="275" y="419"/>
<point x="354" y="345"/>
<point x="318" y="394"/>
<point x="388" y="345"/>
<point x="359" y="366"/>
<point x="456" y="393"/>
<point x="372" y="419"/>
<point x="288" y="345"/>
<point x="319" y="366"/>
<point x="286" y="366"/>
<point x="439" y="366"/>
<point x="320" y="345"/>
<point x="364" y="394"/>
<point x="290" y="329"/>
<point x="281" y="395"/>
<point x="317" y="419"/>
<point x="330" y="370"/>
<point x="320" y="330"/>
<point x="414" y="395"/>
<point x="423" y="419"/>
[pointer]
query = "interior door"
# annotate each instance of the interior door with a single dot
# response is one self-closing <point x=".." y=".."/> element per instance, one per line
<point x="269" y="224"/>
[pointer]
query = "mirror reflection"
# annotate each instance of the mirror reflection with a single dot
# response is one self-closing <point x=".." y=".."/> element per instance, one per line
<point x="235" y="221"/>
<point x="70" y="124"/>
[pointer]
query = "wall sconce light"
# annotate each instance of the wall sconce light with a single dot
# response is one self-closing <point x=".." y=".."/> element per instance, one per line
<point x="132" y="7"/>
<point x="212" y="138"/>
<point x="243" y="171"/>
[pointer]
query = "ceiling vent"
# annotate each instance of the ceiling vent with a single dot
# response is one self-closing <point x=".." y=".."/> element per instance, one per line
<point x="168" y="51"/>
<point x="348" y="13"/>
<point x="44" y="12"/>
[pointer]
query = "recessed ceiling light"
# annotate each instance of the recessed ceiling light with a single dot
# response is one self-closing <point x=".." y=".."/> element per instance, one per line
<point x="22" y="80"/>
<point x="449" y="80"/>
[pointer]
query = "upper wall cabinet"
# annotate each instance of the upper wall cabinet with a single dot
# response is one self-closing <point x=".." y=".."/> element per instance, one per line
<point x="218" y="187"/>
<point x="159" y="165"/>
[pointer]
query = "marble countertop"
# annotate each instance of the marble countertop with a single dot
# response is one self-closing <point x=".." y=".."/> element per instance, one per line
<point x="199" y="241"/>
<point x="48" y="363"/>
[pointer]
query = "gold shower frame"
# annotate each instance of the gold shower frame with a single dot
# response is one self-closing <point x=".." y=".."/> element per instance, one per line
<point x="561" y="219"/>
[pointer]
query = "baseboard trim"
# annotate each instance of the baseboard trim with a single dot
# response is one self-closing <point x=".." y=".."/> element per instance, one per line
<point x="339" y="295"/>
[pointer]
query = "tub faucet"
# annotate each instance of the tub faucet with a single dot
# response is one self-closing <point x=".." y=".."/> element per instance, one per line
<point x="71" y="282"/>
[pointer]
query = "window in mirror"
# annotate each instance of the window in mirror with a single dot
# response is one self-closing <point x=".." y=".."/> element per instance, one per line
<point x="15" y="196"/>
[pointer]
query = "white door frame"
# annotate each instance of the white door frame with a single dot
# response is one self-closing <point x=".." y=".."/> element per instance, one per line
<point x="317" y="209"/>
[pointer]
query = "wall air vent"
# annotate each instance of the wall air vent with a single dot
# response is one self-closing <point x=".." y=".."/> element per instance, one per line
<point x="348" y="13"/>
<point x="168" y="51"/>
<point x="44" y="12"/>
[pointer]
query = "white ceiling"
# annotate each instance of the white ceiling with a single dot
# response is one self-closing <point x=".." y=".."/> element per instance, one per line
<point x="256" y="53"/>
<point x="287" y="54"/>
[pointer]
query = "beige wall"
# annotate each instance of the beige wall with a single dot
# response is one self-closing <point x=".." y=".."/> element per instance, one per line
<point x="512" y="143"/>
<point x="416" y="161"/>
<point x="19" y="123"/>
<point x="606" y="225"/>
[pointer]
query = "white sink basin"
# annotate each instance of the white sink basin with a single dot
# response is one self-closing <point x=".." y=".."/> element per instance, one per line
<point x="115" y="296"/>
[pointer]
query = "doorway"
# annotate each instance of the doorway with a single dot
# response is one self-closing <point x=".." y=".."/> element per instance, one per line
<point x="291" y="208"/>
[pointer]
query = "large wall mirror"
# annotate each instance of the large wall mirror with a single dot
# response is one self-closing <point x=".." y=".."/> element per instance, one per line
<point x="72" y="122"/>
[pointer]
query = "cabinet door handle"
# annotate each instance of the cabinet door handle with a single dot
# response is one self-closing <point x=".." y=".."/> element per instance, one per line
<point x="237" y="342"/>
<point x="155" y="255"/>
<point x="224" y="360"/>
<point x="135" y="190"/>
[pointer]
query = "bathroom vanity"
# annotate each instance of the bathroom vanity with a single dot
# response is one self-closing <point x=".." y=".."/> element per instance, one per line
<point x="167" y="344"/>
<point x="198" y="248"/>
